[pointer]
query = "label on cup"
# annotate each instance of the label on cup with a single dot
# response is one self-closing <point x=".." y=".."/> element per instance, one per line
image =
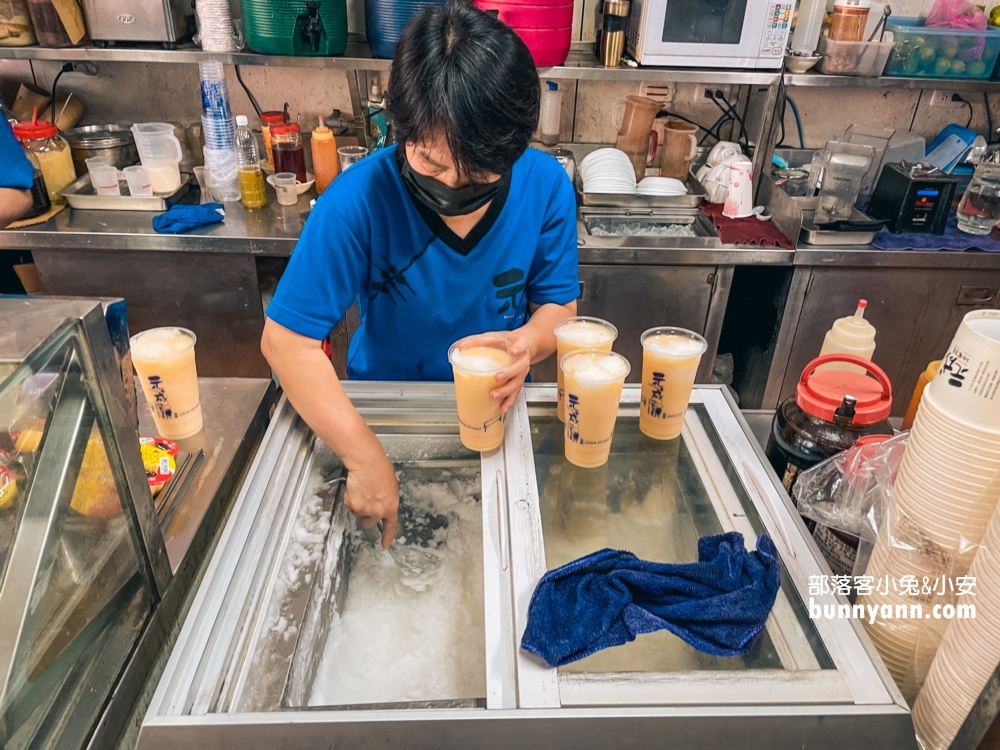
<point x="969" y="374"/>
<point x="653" y="406"/>
<point x="161" y="404"/>
<point x="499" y="419"/>
<point x="573" y="423"/>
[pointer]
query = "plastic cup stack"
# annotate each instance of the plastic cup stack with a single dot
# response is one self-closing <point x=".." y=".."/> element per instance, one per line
<point x="219" y="131"/>
<point x="944" y="499"/>
<point x="215" y="26"/>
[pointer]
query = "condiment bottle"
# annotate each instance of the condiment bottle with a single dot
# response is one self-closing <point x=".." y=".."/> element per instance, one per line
<point x="249" y="173"/>
<point x="286" y="147"/>
<point x="850" y="335"/>
<point x="918" y="393"/>
<point x="267" y="120"/>
<point x="550" y="109"/>
<point x="326" y="162"/>
<point x="52" y="153"/>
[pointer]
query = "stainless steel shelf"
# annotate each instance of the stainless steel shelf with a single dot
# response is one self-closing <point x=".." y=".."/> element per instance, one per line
<point x="819" y="80"/>
<point x="581" y="64"/>
<point x="356" y="57"/>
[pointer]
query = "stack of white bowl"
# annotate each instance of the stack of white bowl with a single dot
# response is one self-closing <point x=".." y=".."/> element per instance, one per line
<point x="661" y="186"/>
<point x="607" y="171"/>
<point x="944" y="497"/>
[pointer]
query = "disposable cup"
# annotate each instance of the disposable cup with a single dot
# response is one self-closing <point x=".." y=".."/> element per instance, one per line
<point x="966" y="386"/>
<point x="137" y="177"/>
<point x="475" y="362"/>
<point x="574" y="334"/>
<point x="284" y="186"/>
<point x="670" y="360"/>
<point x="948" y="427"/>
<point x="164" y="361"/>
<point x="949" y="484"/>
<point x="593" y="380"/>
<point x="351" y="155"/>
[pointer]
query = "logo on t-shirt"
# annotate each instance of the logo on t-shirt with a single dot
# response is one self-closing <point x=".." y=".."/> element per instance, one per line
<point x="512" y="293"/>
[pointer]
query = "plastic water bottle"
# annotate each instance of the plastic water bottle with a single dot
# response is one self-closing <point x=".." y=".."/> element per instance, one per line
<point x="250" y="175"/>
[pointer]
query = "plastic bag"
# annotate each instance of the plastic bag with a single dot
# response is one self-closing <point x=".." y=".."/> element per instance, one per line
<point x="956" y="14"/>
<point x="850" y="491"/>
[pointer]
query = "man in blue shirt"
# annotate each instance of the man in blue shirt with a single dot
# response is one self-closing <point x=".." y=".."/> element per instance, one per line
<point x="16" y="177"/>
<point x="461" y="229"/>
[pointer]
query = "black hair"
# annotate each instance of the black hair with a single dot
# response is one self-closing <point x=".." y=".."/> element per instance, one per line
<point x="462" y="72"/>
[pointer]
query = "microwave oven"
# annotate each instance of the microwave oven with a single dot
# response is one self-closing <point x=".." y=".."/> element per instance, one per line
<point x="710" y="33"/>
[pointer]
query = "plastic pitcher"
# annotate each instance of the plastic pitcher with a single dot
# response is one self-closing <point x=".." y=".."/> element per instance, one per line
<point x="160" y="152"/>
<point x="156" y="140"/>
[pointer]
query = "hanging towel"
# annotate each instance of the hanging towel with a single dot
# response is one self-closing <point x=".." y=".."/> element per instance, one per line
<point x="718" y="605"/>
<point x="184" y="217"/>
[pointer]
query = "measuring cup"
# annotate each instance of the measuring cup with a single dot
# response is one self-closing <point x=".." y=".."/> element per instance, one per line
<point x="160" y="152"/>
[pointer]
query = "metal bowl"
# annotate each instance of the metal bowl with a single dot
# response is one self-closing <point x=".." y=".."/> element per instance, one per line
<point x="113" y="142"/>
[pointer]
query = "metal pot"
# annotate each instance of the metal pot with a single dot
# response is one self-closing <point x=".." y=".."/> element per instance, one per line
<point x="114" y="142"/>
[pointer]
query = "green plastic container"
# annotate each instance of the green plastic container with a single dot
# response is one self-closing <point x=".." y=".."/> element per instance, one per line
<point x="296" y="27"/>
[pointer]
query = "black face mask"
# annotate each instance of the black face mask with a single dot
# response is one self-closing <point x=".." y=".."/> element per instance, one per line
<point x="444" y="200"/>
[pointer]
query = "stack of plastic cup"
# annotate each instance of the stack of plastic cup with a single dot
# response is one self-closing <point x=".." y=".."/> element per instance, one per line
<point x="946" y="491"/>
<point x="219" y="131"/>
<point x="215" y="26"/>
<point x="968" y="655"/>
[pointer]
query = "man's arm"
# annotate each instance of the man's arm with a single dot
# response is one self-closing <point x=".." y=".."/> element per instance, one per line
<point x="14" y="204"/>
<point x="311" y="384"/>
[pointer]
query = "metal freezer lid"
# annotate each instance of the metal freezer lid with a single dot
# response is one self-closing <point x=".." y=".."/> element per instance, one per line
<point x="203" y="667"/>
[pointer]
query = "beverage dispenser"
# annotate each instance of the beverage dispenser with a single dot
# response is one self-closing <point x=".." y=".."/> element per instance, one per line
<point x="296" y="27"/>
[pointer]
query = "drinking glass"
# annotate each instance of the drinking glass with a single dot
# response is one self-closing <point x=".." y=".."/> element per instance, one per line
<point x="979" y="210"/>
<point x="351" y="155"/>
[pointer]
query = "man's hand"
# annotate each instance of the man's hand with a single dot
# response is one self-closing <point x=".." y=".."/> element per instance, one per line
<point x="372" y="494"/>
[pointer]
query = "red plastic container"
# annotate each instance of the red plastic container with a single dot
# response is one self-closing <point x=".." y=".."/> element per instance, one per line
<point x="531" y="16"/>
<point x="548" y="46"/>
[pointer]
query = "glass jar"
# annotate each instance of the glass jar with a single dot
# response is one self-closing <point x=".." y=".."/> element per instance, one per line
<point x="40" y="202"/>
<point x="51" y="28"/>
<point x="286" y="147"/>
<point x="16" y="29"/>
<point x="267" y="121"/>
<point x="42" y="139"/>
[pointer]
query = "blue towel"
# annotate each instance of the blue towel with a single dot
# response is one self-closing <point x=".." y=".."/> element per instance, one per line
<point x="184" y="217"/>
<point x="718" y="605"/>
<point x="952" y="239"/>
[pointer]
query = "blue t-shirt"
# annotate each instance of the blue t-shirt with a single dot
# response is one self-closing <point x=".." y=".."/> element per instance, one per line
<point x="419" y="287"/>
<point x="15" y="169"/>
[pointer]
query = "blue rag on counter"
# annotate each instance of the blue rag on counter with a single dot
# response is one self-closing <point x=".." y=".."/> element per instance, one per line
<point x="952" y="239"/>
<point x="184" y="217"/>
<point x="718" y="605"/>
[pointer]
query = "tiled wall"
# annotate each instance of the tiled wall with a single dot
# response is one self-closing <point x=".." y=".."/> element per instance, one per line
<point x="136" y="92"/>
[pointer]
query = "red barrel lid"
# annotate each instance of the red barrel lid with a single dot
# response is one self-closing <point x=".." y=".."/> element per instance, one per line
<point x="274" y="117"/>
<point x="33" y="130"/>
<point x="871" y="440"/>
<point x="290" y="127"/>
<point x="822" y="393"/>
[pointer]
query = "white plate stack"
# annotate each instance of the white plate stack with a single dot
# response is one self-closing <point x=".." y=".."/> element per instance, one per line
<point x="661" y="186"/>
<point x="607" y="171"/>
<point x="944" y="498"/>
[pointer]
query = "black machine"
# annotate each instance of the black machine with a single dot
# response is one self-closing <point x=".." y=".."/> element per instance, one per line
<point x="913" y="198"/>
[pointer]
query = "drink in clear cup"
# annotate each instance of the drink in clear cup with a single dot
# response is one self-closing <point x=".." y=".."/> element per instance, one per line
<point x="670" y="359"/>
<point x="593" y="381"/>
<point x="164" y="360"/>
<point x="979" y="210"/>
<point x="574" y="334"/>
<point x="475" y="363"/>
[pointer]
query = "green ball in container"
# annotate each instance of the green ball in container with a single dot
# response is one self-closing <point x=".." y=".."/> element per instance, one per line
<point x="292" y="27"/>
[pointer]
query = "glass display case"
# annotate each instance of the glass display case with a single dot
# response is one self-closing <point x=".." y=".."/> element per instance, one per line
<point x="81" y="556"/>
<point x="305" y="634"/>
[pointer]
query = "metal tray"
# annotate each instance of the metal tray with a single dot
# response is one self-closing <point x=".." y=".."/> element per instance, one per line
<point x="814" y="236"/>
<point x="696" y="194"/>
<point x="81" y="194"/>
